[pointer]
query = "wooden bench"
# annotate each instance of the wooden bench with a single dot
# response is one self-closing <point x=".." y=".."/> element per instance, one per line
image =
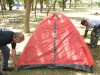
<point x="15" y="19"/>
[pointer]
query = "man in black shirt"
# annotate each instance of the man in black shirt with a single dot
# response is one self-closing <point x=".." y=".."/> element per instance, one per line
<point x="9" y="37"/>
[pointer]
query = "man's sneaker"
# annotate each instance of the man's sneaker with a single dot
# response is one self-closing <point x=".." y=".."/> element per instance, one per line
<point x="8" y="69"/>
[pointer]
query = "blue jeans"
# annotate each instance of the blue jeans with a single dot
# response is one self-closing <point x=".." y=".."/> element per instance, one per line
<point x="6" y="53"/>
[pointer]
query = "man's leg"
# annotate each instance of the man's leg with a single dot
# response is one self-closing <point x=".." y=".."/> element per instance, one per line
<point x="93" y="41"/>
<point x="6" y="53"/>
<point x="95" y="38"/>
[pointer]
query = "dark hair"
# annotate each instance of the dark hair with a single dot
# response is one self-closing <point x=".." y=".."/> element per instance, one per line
<point x="19" y="36"/>
<point x="83" y="22"/>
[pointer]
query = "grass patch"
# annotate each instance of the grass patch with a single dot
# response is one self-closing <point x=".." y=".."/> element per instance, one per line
<point x="75" y="10"/>
<point x="37" y="20"/>
<point x="77" y="18"/>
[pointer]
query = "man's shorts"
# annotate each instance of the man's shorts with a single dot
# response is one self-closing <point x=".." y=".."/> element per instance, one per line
<point x="94" y="41"/>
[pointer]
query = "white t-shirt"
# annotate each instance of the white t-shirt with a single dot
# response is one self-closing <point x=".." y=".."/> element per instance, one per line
<point x="92" y="23"/>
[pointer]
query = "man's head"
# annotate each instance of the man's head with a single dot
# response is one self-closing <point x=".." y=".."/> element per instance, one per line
<point x="84" y="22"/>
<point x="18" y="37"/>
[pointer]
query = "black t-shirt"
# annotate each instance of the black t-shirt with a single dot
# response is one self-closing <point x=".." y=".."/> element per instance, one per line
<point x="6" y="37"/>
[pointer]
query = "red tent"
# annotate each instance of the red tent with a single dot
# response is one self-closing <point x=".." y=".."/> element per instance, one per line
<point x="56" y="43"/>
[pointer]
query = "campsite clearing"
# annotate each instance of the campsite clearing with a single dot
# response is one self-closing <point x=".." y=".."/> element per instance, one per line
<point x="75" y="15"/>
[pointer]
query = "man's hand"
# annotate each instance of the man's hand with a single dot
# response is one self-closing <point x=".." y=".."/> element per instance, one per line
<point x="0" y="56"/>
<point x="15" y="63"/>
<point x="83" y="36"/>
<point x="93" y="34"/>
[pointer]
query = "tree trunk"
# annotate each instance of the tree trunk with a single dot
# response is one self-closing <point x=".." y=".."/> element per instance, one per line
<point x="3" y="7"/>
<point x="63" y="5"/>
<point x="27" y="16"/>
<point x="10" y="7"/>
<point x="75" y="4"/>
<point x="35" y="8"/>
<point x="47" y="3"/>
<point x="25" y="2"/>
<point x="32" y="6"/>
<point x="41" y="5"/>
<point x="70" y="3"/>
<point x="49" y="10"/>
<point x="54" y="5"/>
<point x="51" y="6"/>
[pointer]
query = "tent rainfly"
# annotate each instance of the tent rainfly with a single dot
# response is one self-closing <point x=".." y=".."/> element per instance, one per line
<point x="56" y="43"/>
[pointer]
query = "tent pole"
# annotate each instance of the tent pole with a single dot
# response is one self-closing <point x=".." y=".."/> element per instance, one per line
<point x="54" y="42"/>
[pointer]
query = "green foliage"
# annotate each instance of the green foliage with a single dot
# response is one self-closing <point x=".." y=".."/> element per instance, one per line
<point x="59" y="2"/>
<point x="21" y="0"/>
<point x="37" y="20"/>
<point x="9" y="1"/>
<point x="98" y="4"/>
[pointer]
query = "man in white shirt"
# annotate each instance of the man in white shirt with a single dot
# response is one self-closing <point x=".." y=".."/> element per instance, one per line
<point x="95" y="24"/>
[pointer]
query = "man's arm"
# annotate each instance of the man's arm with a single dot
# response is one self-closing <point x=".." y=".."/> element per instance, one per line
<point x="1" y="55"/>
<point x="14" y="56"/>
<point x="85" y="34"/>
